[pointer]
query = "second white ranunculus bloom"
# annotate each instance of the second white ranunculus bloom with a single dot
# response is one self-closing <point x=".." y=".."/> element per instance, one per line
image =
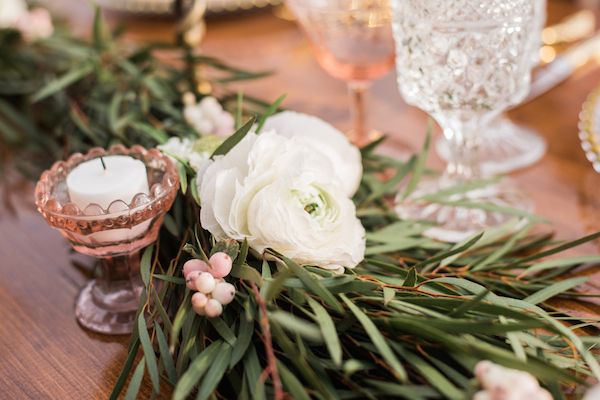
<point x="278" y="192"/>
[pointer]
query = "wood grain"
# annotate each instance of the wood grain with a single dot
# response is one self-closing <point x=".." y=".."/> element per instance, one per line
<point x="45" y="354"/>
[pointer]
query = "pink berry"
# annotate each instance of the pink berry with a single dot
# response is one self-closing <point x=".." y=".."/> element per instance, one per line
<point x="213" y="308"/>
<point x="194" y="265"/>
<point x="199" y="301"/>
<point x="224" y="293"/>
<point x="191" y="278"/>
<point x="205" y="283"/>
<point x="220" y="265"/>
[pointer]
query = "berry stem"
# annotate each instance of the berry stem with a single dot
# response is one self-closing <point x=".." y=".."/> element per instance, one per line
<point x="268" y="341"/>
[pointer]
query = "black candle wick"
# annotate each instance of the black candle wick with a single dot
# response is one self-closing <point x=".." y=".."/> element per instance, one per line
<point x="102" y="161"/>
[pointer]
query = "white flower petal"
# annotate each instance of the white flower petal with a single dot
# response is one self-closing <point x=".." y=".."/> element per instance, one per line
<point x="325" y="139"/>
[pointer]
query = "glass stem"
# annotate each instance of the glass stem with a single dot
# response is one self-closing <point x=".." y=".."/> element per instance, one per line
<point x="357" y="91"/>
<point x="120" y="281"/>
<point x="464" y="162"/>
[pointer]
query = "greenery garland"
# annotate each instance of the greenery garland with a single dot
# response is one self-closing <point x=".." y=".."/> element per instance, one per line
<point x="410" y="322"/>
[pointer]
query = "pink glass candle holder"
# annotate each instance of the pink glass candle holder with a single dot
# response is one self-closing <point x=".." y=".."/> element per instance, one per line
<point x="114" y="235"/>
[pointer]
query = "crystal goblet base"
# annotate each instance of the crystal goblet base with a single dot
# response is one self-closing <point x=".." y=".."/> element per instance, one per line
<point x="462" y="215"/>
<point x="505" y="147"/>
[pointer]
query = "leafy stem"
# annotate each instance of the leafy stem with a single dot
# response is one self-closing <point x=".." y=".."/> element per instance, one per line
<point x="268" y="342"/>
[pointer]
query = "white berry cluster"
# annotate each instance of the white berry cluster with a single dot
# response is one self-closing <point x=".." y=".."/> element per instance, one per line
<point x="208" y="116"/>
<point x="212" y="292"/>
<point x="500" y="383"/>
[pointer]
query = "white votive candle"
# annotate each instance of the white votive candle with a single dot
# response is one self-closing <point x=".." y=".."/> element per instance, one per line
<point x="123" y="178"/>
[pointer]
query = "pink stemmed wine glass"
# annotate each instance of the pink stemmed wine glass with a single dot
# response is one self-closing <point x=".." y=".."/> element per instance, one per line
<point x="115" y="234"/>
<point x="352" y="41"/>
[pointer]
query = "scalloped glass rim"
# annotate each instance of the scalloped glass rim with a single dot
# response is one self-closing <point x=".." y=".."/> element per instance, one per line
<point x="48" y="205"/>
<point x="589" y="120"/>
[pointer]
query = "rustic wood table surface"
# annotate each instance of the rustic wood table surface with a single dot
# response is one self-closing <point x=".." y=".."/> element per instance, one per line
<point x="44" y="354"/>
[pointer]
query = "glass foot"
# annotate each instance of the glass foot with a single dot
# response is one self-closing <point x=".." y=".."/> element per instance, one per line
<point x="505" y="147"/>
<point x="456" y="223"/>
<point x="109" y="313"/>
<point x="109" y="303"/>
<point x="364" y="139"/>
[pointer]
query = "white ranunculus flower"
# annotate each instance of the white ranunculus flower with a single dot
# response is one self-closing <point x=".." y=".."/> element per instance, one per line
<point x="195" y="152"/>
<point x="35" y="25"/>
<point x="325" y="139"/>
<point x="277" y="192"/>
<point x="11" y="11"/>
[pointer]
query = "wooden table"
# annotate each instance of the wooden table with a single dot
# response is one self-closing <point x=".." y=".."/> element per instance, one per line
<point x="45" y="354"/>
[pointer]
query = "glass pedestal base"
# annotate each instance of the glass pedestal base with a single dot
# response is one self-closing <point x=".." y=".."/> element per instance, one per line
<point x="503" y="148"/>
<point x="109" y="304"/>
<point x="457" y="223"/>
<point x="113" y="315"/>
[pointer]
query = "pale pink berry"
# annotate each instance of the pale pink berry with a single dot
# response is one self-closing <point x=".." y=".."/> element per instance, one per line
<point x="191" y="279"/>
<point x="205" y="283"/>
<point x="194" y="265"/>
<point x="220" y="265"/>
<point x="213" y="308"/>
<point x="224" y="293"/>
<point x="199" y="301"/>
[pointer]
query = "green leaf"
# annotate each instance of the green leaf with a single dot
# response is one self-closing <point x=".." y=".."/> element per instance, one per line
<point x="270" y="111"/>
<point x="245" y="335"/>
<point x="378" y="339"/>
<point x="182" y="177"/>
<point x="273" y="287"/>
<point x="215" y="373"/>
<point x="555" y="289"/>
<point x="501" y="251"/>
<point x="293" y="324"/>
<point x="467" y="306"/>
<point x="388" y="295"/>
<point x="420" y="163"/>
<point x="410" y="392"/>
<point x="197" y="369"/>
<point x="165" y="354"/>
<point x="146" y="265"/>
<point x="246" y="273"/>
<point x="172" y="279"/>
<point x="560" y="262"/>
<point x="558" y="249"/>
<point x="252" y="370"/>
<point x="239" y="109"/>
<point x="159" y="136"/>
<point x="113" y="112"/>
<point x="459" y="248"/>
<point x="149" y="354"/>
<point x="411" y="278"/>
<point x="195" y="193"/>
<point x="223" y="329"/>
<point x="433" y="376"/>
<point x="291" y="383"/>
<point x="126" y="369"/>
<point x="166" y="321"/>
<point x="330" y="335"/>
<point x="99" y="30"/>
<point x="136" y="381"/>
<point x="391" y="184"/>
<point x="313" y="284"/>
<point x="234" y="139"/>
<point x="56" y="85"/>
